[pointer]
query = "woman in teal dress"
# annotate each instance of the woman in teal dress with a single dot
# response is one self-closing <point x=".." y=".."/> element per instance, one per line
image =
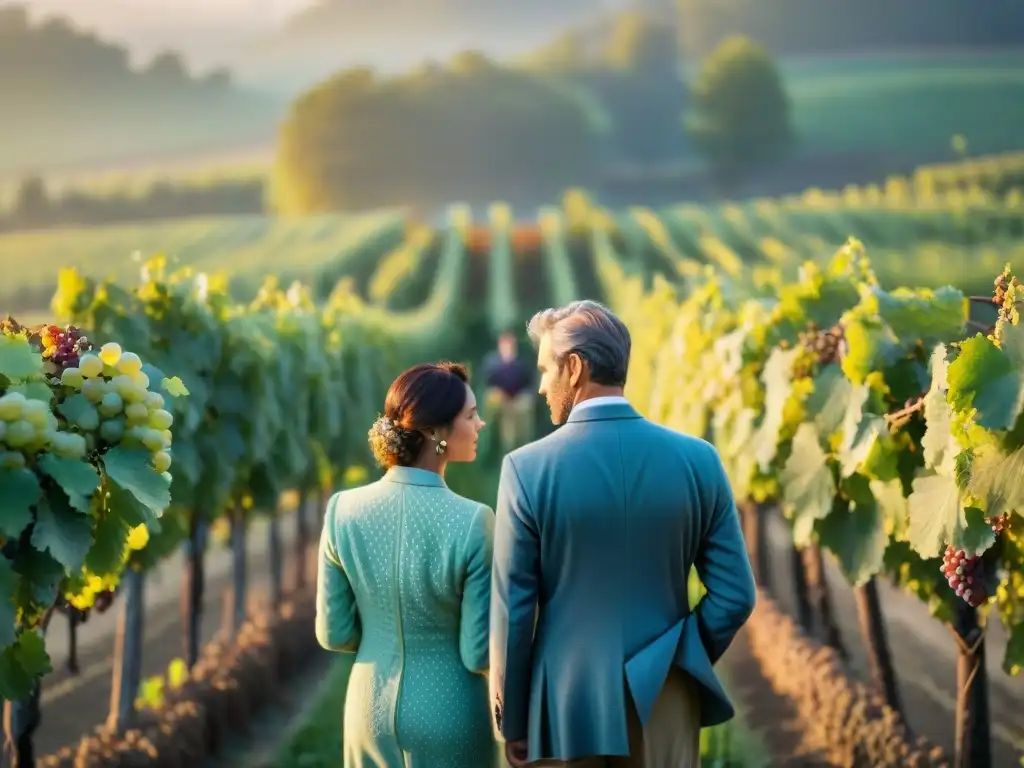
<point x="404" y="583"/>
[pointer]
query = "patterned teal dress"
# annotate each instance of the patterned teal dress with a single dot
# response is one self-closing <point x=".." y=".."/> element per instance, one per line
<point x="404" y="582"/>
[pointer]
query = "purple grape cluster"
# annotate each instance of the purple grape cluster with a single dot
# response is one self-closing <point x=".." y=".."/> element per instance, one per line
<point x="62" y="347"/>
<point x="966" y="576"/>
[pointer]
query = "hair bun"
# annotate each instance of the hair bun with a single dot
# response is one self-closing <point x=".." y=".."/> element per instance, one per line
<point x="393" y="444"/>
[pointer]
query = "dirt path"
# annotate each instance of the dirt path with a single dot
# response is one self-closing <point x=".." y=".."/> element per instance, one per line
<point x="72" y="705"/>
<point x="924" y="656"/>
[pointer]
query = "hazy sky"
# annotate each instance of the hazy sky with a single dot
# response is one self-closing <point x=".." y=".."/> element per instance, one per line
<point x="146" y="11"/>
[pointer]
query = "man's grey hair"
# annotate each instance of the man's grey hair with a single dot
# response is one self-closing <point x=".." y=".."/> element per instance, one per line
<point x="592" y="331"/>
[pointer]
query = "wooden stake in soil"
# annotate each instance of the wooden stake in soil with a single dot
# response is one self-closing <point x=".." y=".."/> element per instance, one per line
<point x="973" y="741"/>
<point x="128" y="652"/>
<point x="301" y="542"/>
<point x="821" y="599"/>
<point x="193" y="588"/>
<point x="804" y="613"/>
<point x="276" y="557"/>
<point x="876" y="643"/>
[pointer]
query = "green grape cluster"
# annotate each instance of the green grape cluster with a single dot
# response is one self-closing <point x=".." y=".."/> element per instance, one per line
<point x="108" y="401"/>
<point x="28" y="427"/>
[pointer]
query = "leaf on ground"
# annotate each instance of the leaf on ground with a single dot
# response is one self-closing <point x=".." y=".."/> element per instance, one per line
<point x="19" y="492"/>
<point x="78" y="479"/>
<point x="63" y="531"/>
<point x="808" y="489"/>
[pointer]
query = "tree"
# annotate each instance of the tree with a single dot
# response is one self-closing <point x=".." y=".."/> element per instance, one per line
<point x="641" y="44"/>
<point x="471" y="131"/>
<point x="740" y="114"/>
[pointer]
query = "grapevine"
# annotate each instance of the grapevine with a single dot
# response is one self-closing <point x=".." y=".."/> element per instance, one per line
<point x="886" y="428"/>
<point x="73" y="488"/>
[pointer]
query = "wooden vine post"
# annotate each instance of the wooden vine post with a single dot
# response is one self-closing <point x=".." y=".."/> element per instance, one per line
<point x="193" y="587"/>
<point x="801" y="591"/>
<point x="235" y="598"/>
<point x="973" y="739"/>
<point x="301" y="543"/>
<point x="821" y="599"/>
<point x="128" y="651"/>
<point x="275" y="555"/>
<point x="876" y="643"/>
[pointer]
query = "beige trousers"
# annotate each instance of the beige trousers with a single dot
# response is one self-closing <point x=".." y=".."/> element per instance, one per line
<point x="515" y="417"/>
<point x="671" y="738"/>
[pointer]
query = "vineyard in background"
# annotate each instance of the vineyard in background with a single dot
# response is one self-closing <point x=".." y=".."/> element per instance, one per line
<point x="832" y="394"/>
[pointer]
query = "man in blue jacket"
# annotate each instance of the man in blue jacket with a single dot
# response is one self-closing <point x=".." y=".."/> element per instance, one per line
<point x="596" y="654"/>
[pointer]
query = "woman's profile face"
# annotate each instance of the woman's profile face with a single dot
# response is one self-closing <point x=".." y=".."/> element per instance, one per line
<point x="464" y="431"/>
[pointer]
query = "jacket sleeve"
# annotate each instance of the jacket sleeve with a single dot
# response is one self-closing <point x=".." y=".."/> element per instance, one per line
<point x="515" y="583"/>
<point x="337" y="618"/>
<point x="474" y="623"/>
<point x="724" y="568"/>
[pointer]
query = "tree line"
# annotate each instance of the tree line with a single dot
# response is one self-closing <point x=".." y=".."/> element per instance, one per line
<point x="475" y="130"/>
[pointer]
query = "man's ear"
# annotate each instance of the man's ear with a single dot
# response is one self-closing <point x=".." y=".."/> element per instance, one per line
<point x="576" y="369"/>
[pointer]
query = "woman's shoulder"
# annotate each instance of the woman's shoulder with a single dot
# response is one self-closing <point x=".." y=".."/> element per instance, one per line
<point x="470" y="507"/>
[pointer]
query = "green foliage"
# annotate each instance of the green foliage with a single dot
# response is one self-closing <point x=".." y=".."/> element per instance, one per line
<point x="427" y="138"/>
<point x="270" y="386"/>
<point x="902" y="438"/>
<point x="70" y="492"/>
<point x="741" y="114"/>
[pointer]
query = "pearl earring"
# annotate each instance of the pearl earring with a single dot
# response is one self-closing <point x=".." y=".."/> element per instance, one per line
<point x="440" y="447"/>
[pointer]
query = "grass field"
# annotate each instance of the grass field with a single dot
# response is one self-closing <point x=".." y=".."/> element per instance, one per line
<point x="908" y="104"/>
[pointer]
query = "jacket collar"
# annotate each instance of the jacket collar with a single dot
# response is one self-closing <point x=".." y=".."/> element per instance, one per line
<point x="604" y="412"/>
<point x="414" y="476"/>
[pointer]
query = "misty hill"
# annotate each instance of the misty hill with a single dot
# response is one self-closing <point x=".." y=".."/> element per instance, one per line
<point x="394" y="35"/>
<point x="74" y="95"/>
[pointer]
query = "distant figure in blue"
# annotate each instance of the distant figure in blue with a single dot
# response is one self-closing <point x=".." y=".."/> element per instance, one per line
<point x="510" y="392"/>
<point x="404" y="583"/>
<point x="597" y="659"/>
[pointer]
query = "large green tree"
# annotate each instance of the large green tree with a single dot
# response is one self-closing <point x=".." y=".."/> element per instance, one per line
<point x="469" y="131"/>
<point x="740" y="113"/>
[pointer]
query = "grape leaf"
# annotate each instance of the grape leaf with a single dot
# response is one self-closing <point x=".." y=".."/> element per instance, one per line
<point x="22" y="665"/>
<point x="938" y="445"/>
<point x="869" y="345"/>
<point x="990" y="379"/>
<point x="778" y="383"/>
<point x="858" y="445"/>
<point x="8" y="614"/>
<point x="938" y="517"/>
<point x="34" y="390"/>
<point x="827" y="404"/>
<point x="75" y="407"/>
<point x="40" y="574"/>
<point x="807" y="485"/>
<point x="19" y="491"/>
<point x="856" y="534"/>
<point x="62" y="531"/>
<point x="932" y="316"/>
<point x="174" y="387"/>
<point x="1013" y="659"/>
<point x="107" y="551"/>
<point x="78" y="479"/>
<point x="132" y="470"/>
<point x="893" y="505"/>
<point x="995" y="480"/>
<point x="18" y="361"/>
